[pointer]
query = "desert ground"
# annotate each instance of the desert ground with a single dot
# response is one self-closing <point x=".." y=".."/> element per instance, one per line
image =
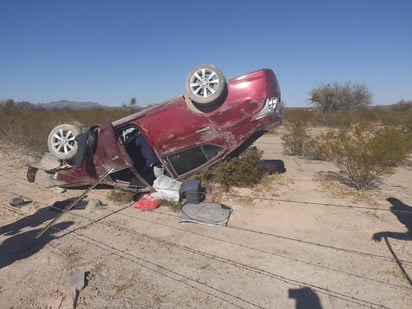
<point x="300" y="239"/>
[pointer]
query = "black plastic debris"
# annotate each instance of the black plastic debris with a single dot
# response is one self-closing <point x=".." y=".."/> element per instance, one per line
<point x="191" y="191"/>
<point x="18" y="201"/>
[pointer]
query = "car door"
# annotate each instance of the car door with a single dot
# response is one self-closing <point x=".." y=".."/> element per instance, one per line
<point x="110" y="155"/>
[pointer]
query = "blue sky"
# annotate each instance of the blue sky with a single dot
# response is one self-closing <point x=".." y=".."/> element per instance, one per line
<point x="110" y="51"/>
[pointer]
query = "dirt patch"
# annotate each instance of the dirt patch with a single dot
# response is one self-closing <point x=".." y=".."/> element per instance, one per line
<point x="300" y="237"/>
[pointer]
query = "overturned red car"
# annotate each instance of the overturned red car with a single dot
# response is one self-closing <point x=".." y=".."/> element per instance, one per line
<point x="214" y="119"/>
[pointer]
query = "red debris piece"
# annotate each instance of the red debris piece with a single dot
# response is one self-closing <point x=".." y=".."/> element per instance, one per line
<point x="147" y="202"/>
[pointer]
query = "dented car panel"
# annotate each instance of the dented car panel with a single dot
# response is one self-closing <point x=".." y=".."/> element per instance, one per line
<point x="182" y="136"/>
<point x="176" y="127"/>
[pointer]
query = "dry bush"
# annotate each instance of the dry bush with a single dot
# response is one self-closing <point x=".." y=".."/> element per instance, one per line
<point x="120" y="196"/>
<point x="243" y="171"/>
<point x="365" y="155"/>
<point x="314" y="148"/>
<point x="363" y="152"/>
<point x="338" y="96"/>
<point x="295" y="139"/>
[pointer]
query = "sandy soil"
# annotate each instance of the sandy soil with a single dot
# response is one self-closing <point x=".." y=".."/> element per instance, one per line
<point x="302" y="238"/>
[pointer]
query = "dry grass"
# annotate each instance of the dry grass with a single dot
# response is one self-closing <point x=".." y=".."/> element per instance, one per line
<point x="30" y="127"/>
<point x="120" y="196"/>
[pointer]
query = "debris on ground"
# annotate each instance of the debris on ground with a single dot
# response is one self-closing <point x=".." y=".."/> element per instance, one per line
<point x="166" y="188"/>
<point x="58" y="190"/>
<point x="92" y="205"/>
<point x="147" y="201"/>
<point x="191" y="191"/>
<point x="171" y="190"/>
<point x="205" y="213"/>
<point x="18" y="201"/>
<point x="76" y="281"/>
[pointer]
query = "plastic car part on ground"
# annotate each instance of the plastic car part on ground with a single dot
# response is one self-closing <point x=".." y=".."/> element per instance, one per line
<point x="191" y="191"/>
<point x="48" y="162"/>
<point x="76" y="280"/>
<point x="205" y="213"/>
<point x="93" y="204"/>
<point x="18" y="201"/>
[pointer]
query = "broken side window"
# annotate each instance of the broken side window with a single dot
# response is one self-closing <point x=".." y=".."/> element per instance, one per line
<point x="188" y="160"/>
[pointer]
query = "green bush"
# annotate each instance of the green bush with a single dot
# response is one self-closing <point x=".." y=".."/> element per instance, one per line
<point x="365" y="155"/>
<point x="242" y="171"/>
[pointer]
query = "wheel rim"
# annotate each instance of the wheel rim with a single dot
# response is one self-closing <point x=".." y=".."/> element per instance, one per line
<point x="204" y="83"/>
<point x="63" y="141"/>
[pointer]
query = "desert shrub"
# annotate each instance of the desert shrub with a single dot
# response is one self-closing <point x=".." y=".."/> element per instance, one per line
<point x="337" y="96"/>
<point x="295" y="139"/>
<point x="242" y="171"/>
<point x="315" y="148"/>
<point x="365" y="155"/>
<point x="297" y="142"/>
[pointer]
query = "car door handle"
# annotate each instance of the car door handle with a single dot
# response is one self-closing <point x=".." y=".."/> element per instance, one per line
<point x="203" y="129"/>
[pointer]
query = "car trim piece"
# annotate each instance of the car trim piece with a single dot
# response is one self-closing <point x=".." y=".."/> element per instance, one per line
<point x="127" y="119"/>
<point x="204" y="129"/>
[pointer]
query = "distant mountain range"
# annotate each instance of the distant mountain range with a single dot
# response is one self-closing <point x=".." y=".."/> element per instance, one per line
<point x="70" y="104"/>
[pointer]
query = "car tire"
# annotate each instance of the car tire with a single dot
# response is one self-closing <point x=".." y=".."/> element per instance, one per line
<point x="61" y="141"/>
<point x="206" y="86"/>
